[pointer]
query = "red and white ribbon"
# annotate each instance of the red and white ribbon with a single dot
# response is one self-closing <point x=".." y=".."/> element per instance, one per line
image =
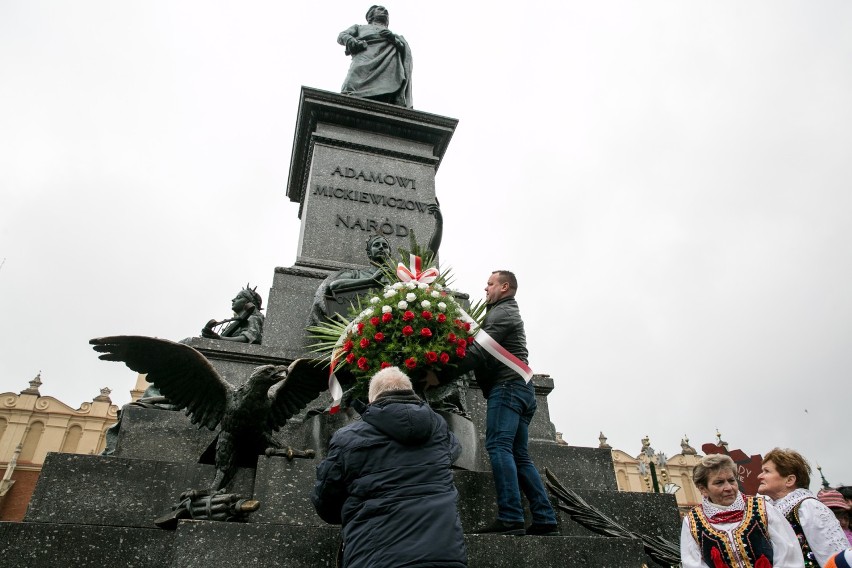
<point x="415" y="273"/>
<point x="334" y="387"/>
<point x="480" y="335"/>
<point x="499" y="352"/>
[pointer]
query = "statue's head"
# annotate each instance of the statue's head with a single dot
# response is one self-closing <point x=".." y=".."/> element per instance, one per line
<point x="378" y="14"/>
<point x="245" y="297"/>
<point x="378" y="249"/>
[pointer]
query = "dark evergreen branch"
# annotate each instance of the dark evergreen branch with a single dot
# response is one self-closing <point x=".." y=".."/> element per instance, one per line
<point x="662" y="551"/>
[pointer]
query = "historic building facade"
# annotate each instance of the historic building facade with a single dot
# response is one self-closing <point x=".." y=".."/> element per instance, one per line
<point x="651" y="471"/>
<point x="32" y="425"/>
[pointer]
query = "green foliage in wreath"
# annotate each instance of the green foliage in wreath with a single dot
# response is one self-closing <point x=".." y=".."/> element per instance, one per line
<point x="413" y="325"/>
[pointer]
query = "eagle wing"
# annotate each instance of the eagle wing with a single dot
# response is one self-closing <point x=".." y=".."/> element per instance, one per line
<point x="306" y="380"/>
<point x="181" y="373"/>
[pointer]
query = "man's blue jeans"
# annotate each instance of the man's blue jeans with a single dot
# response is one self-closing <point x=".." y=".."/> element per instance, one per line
<point x="511" y="406"/>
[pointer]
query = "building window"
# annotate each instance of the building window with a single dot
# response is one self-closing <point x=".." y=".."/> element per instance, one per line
<point x="623" y="483"/>
<point x="31" y="441"/>
<point x="72" y="439"/>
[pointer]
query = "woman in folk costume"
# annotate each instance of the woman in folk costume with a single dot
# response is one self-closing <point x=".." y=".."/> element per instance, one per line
<point x="732" y="530"/>
<point x="785" y="478"/>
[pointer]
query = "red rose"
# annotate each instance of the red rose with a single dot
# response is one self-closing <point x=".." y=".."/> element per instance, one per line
<point x="385" y="365"/>
<point x="431" y="356"/>
<point x="364" y="343"/>
<point x="347" y="347"/>
<point x="387" y="317"/>
<point x="470" y="340"/>
<point x="426" y="332"/>
<point x="360" y="328"/>
<point x="408" y="315"/>
<point x="451" y="337"/>
<point x="444" y="358"/>
<point x="374" y="320"/>
<point x="466" y="326"/>
<point x="350" y="358"/>
<point x="427" y="315"/>
<point x="362" y="363"/>
<point x="407" y="330"/>
<point x="379" y="337"/>
<point x="458" y="322"/>
<point x="460" y="351"/>
<point x="411" y="362"/>
<point x="442" y="318"/>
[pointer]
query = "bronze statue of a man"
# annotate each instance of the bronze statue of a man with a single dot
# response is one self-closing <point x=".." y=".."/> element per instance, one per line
<point x="355" y="280"/>
<point x="381" y="61"/>
<point x="247" y="324"/>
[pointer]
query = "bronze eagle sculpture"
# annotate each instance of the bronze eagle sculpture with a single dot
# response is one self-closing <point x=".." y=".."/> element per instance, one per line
<point x="246" y="416"/>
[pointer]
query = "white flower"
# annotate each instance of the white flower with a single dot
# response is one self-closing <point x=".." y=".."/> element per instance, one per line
<point x="425" y="304"/>
<point x="422" y="285"/>
<point x="435" y="294"/>
<point x="397" y="285"/>
<point x="442" y="306"/>
<point x="374" y="300"/>
<point x="386" y="309"/>
<point x="403" y="305"/>
<point x="390" y="293"/>
<point x="437" y="286"/>
<point x="410" y="297"/>
<point x="365" y="313"/>
<point x="411" y="285"/>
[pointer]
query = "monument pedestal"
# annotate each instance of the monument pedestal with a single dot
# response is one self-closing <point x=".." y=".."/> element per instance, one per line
<point x="358" y="168"/>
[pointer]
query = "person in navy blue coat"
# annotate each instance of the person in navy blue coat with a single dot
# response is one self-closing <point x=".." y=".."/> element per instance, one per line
<point x="387" y="481"/>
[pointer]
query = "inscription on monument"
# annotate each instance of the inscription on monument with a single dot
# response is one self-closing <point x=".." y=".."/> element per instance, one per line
<point x="374" y="177"/>
<point x="370" y="198"/>
<point x="352" y="195"/>
<point x="383" y="226"/>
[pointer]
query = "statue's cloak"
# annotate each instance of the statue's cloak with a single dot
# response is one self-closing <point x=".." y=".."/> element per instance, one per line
<point x="380" y="69"/>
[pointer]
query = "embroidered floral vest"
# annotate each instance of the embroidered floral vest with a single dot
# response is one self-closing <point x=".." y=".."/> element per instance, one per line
<point x="793" y="519"/>
<point x="751" y="547"/>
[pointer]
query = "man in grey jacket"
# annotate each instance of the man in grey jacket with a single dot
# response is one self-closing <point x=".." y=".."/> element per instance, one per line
<point x="510" y="408"/>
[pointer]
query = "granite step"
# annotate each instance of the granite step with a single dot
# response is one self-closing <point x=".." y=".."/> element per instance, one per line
<point x="83" y="546"/>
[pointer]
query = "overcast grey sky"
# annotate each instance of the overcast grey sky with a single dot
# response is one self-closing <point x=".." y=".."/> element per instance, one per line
<point x="668" y="179"/>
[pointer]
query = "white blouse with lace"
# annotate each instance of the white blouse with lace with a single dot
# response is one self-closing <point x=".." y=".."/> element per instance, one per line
<point x="821" y="527"/>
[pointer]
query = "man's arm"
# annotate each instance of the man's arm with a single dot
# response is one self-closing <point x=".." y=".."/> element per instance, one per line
<point x="349" y="39"/>
<point x="391" y="37"/>
<point x="330" y="490"/>
<point x="497" y="325"/>
<point x="344" y="284"/>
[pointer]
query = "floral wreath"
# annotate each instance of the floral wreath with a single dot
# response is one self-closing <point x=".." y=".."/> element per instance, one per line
<point x="415" y="323"/>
